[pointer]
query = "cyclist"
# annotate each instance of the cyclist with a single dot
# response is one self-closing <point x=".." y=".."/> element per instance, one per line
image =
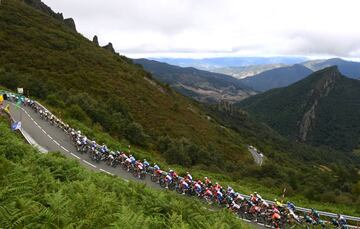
<point x="198" y="187"/>
<point x="184" y="185"/>
<point x="238" y="198"/>
<point x="219" y="196"/>
<point x="315" y="215"/>
<point x="139" y="167"/>
<point x="208" y="195"/>
<point x="173" y="174"/>
<point x="188" y="176"/>
<point x="168" y="180"/>
<point x="291" y="206"/>
<point x="128" y="163"/>
<point x="207" y="182"/>
<point x="132" y="159"/>
<point x="146" y="164"/>
<point x="341" y="221"/>
<point x="230" y="191"/>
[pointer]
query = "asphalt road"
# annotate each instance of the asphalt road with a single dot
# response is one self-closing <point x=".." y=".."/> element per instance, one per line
<point x="51" y="138"/>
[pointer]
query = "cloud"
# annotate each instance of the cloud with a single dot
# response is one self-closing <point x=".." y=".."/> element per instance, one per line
<point x="219" y="27"/>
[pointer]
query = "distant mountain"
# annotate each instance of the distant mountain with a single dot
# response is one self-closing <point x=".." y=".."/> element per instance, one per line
<point x="322" y="109"/>
<point x="221" y="62"/>
<point x="278" y="77"/>
<point x="348" y="68"/>
<point x="200" y="85"/>
<point x="246" y="71"/>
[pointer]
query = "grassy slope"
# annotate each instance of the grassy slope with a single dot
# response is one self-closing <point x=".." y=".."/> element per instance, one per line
<point x="50" y="59"/>
<point x="51" y="191"/>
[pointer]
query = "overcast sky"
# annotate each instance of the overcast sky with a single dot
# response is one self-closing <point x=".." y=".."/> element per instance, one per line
<point x="206" y="28"/>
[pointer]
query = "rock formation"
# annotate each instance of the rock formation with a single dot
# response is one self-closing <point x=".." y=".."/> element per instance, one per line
<point x="38" y="4"/>
<point x="96" y="40"/>
<point x="110" y="47"/>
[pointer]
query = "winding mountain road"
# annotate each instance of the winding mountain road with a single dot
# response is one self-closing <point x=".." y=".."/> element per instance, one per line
<point x="46" y="137"/>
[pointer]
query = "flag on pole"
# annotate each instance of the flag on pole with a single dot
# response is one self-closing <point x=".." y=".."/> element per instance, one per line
<point x="1" y="99"/>
<point x="16" y="125"/>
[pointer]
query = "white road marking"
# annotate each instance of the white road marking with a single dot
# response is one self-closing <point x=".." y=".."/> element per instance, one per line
<point x="75" y="156"/>
<point x="89" y="163"/>
<point x="106" y="172"/>
<point x="50" y="137"/>
<point x="43" y="131"/>
<point x="56" y="142"/>
<point x="62" y="147"/>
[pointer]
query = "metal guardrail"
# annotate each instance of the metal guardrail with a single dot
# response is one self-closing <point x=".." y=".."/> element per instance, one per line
<point x="299" y="209"/>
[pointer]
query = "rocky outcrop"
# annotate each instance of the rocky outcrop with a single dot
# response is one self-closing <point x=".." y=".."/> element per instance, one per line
<point x="39" y="5"/>
<point x="70" y="23"/>
<point x="321" y="89"/>
<point x="96" y="40"/>
<point x="110" y="47"/>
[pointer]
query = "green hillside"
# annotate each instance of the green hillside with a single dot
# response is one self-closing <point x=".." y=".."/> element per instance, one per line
<point x="322" y="109"/>
<point x="109" y="97"/>
<point x="101" y="89"/>
<point x="325" y="177"/>
<point x="50" y="191"/>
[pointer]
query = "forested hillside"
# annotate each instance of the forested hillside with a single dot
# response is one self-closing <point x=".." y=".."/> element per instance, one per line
<point x="322" y="109"/>
<point x="306" y="171"/>
<point x="99" y="88"/>
<point x="51" y="191"/>
<point x="102" y="92"/>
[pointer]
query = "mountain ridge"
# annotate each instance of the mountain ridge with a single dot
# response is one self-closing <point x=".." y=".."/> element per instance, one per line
<point x="278" y="77"/>
<point x="306" y="110"/>
<point x="198" y="84"/>
<point x="349" y="68"/>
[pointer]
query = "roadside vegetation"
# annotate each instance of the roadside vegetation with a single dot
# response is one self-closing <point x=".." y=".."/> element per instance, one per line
<point x="50" y="191"/>
<point x="111" y="100"/>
